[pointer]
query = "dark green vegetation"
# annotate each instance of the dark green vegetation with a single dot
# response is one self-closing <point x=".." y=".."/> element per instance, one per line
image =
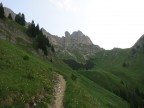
<point x="40" y="40"/>
<point x="1" y="11"/>
<point x="77" y="66"/>
<point x="20" y="19"/>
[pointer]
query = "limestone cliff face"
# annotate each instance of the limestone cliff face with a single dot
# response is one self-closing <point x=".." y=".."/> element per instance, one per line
<point x="55" y="40"/>
<point x="75" y="39"/>
<point x="8" y="11"/>
<point x="73" y="45"/>
<point x="69" y="40"/>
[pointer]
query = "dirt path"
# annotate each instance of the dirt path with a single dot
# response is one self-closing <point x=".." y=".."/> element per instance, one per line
<point x="59" y="92"/>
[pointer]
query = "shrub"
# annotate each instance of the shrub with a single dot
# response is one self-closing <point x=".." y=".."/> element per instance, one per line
<point x="26" y="57"/>
<point x="30" y="76"/>
<point x="73" y="77"/>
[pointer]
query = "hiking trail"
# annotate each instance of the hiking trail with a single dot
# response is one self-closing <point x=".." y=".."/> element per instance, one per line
<point x="59" y="92"/>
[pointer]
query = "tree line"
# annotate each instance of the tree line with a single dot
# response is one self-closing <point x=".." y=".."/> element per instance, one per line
<point x="41" y="41"/>
<point x="133" y="96"/>
<point x="77" y="66"/>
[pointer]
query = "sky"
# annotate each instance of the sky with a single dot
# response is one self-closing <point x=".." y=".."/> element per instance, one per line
<point x="108" y="23"/>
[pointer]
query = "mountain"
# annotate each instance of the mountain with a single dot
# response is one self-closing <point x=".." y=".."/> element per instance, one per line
<point x="108" y="78"/>
<point x="28" y="79"/>
<point x="76" y="38"/>
<point x="75" y="46"/>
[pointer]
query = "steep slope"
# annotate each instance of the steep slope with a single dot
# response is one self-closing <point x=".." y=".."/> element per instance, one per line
<point x="14" y="32"/>
<point x="25" y="80"/>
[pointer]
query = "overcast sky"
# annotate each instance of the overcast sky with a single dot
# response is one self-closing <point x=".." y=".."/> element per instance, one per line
<point x="109" y="23"/>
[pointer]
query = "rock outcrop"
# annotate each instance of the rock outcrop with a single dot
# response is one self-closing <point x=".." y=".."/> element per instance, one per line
<point x="68" y="40"/>
<point x="8" y="11"/>
<point x="75" y="45"/>
<point x="139" y="43"/>
<point x="75" y="39"/>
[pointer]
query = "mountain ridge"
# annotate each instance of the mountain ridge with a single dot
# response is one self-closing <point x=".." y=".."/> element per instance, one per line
<point x="75" y="45"/>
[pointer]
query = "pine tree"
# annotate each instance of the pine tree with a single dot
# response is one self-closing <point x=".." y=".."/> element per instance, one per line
<point x="41" y="42"/>
<point x="37" y="29"/>
<point x="1" y="11"/>
<point x="9" y="16"/>
<point x="17" y="18"/>
<point x="23" y="19"/>
<point x="31" y="30"/>
<point x="20" y="19"/>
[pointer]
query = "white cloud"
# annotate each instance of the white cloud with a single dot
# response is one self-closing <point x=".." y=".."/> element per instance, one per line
<point x="67" y="5"/>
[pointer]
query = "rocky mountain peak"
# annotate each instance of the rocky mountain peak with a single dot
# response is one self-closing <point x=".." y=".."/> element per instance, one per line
<point x="77" y="37"/>
<point x="77" y="34"/>
<point x="67" y="34"/>
<point x="139" y="43"/>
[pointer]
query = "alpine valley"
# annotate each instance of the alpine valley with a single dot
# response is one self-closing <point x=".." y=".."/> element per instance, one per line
<point x="35" y="65"/>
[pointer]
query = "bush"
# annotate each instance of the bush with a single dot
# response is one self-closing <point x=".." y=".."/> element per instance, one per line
<point x="26" y="57"/>
<point x="125" y="64"/>
<point x="73" y="77"/>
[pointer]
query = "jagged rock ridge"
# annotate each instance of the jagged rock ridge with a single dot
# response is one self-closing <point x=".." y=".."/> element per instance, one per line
<point x="76" y="38"/>
<point x="73" y="45"/>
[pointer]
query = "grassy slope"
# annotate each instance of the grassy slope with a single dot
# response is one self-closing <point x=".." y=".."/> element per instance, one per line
<point x="22" y="76"/>
<point x="110" y="74"/>
<point x="29" y="77"/>
<point x="112" y="62"/>
<point x="21" y="79"/>
<point x="84" y="93"/>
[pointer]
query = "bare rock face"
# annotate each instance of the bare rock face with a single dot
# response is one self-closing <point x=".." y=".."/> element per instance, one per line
<point x="76" y="40"/>
<point x="73" y="44"/>
<point x="55" y="40"/>
<point x="69" y="40"/>
<point x="79" y="38"/>
<point x="139" y="43"/>
<point x="8" y="11"/>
